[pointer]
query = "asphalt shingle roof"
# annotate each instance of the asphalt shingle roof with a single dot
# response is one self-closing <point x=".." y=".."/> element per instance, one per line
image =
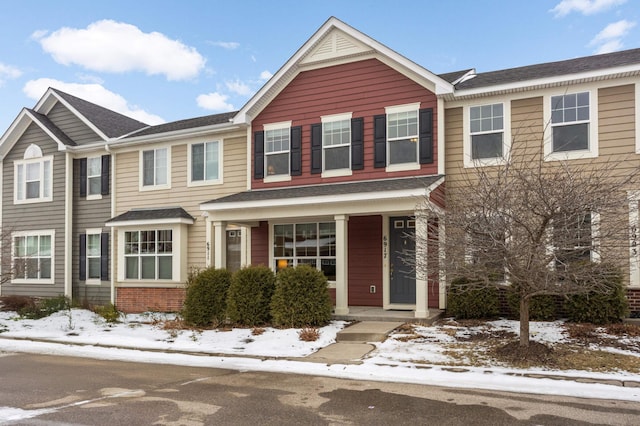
<point x="44" y="120"/>
<point x="152" y="214"/>
<point x="329" y="189"/>
<point x="190" y="123"/>
<point x="111" y="123"/>
<point x="552" y="69"/>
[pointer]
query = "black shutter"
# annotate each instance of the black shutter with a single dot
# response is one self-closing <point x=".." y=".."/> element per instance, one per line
<point x="357" y="144"/>
<point x="83" y="177"/>
<point x="296" y="151"/>
<point x="426" y="136"/>
<point x="105" y="175"/>
<point x="380" y="140"/>
<point x="82" y="269"/>
<point x="258" y="155"/>
<point x="104" y="256"/>
<point x="316" y="148"/>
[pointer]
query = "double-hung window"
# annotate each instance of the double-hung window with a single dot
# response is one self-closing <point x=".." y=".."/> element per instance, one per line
<point x="94" y="176"/>
<point x="205" y="162"/>
<point x="277" y="147"/>
<point x="155" y="168"/>
<point x="570" y="122"/>
<point x="402" y="134"/>
<point x="573" y="239"/>
<point x="313" y="244"/>
<point x="33" y="257"/>
<point x="148" y="254"/>
<point x="486" y="126"/>
<point x="33" y="177"/>
<point x="336" y="142"/>
<point x="94" y="256"/>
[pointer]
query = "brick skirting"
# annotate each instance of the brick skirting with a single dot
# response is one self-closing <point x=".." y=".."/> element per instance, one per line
<point x="136" y="300"/>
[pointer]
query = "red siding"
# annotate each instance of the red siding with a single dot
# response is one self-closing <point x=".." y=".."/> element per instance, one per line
<point x="363" y="88"/>
<point x="437" y="196"/>
<point x="365" y="260"/>
<point x="260" y="245"/>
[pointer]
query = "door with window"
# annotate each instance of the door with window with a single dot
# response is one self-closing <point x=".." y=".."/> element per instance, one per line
<point x="402" y="278"/>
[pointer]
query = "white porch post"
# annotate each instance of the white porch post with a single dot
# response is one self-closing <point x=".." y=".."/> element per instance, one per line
<point x="208" y="232"/>
<point x="342" y="285"/>
<point x="422" y="273"/>
<point x="220" y="244"/>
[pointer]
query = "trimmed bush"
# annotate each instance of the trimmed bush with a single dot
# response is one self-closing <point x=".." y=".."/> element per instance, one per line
<point x="206" y="298"/>
<point x="600" y="308"/>
<point x="16" y="303"/>
<point x="541" y="308"/>
<point x="108" y="312"/>
<point x="465" y="302"/>
<point x="249" y="296"/>
<point x="45" y="307"/>
<point x="301" y="298"/>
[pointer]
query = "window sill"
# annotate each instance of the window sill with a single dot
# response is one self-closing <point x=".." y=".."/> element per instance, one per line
<point x="336" y="173"/>
<point x="570" y="155"/>
<point x="154" y="187"/>
<point x="94" y="197"/>
<point x="93" y="282"/>
<point x="402" y="167"/>
<point x="32" y="281"/>
<point x="277" y="178"/>
<point x="204" y="183"/>
<point x="484" y="162"/>
<point x="33" y="200"/>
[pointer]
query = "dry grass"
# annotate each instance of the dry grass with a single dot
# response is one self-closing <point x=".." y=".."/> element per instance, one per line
<point x="309" y="334"/>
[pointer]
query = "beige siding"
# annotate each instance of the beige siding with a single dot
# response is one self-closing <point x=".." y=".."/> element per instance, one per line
<point x="129" y="196"/>
<point x="71" y="125"/>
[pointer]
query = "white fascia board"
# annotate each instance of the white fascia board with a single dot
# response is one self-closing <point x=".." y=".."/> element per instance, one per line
<point x="291" y="66"/>
<point x="548" y="82"/>
<point x="327" y="199"/>
<point x="13" y="133"/>
<point x="174" y="135"/>
<point x="150" y="222"/>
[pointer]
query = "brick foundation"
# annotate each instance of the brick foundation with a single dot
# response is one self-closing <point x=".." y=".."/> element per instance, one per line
<point x="633" y="296"/>
<point x="136" y="300"/>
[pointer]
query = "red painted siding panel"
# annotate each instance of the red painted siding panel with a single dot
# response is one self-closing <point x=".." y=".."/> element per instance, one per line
<point x="363" y="88"/>
<point x="260" y="245"/>
<point x="365" y="260"/>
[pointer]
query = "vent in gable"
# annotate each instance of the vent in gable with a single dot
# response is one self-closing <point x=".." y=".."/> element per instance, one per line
<point x="336" y="44"/>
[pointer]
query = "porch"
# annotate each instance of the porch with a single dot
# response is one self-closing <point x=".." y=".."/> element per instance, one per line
<point x="374" y="313"/>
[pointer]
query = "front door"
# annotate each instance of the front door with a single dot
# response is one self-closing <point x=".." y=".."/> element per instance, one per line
<point x="402" y="278"/>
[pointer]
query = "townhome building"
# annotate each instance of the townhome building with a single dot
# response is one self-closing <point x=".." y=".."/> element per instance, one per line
<point x="56" y="198"/>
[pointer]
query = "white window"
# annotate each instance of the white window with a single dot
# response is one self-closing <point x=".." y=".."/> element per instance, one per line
<point x="148" y="255"/>
<point x="33" y="257"/>
<point x="336" y="142"/>
<point x="571" y="121"/>
<point x="402" y="134"/>
<point x="277" y="146"/>
<point x="94" y="176"/>
<point x="93" y="255"/>
<point x="155" y="168"/>
<point x="573" y="239"/>
<point x="205" y="162"/>
<point x="306" y="243"/>
<point x="486" y="125"/>
<point x="33" y="177"/>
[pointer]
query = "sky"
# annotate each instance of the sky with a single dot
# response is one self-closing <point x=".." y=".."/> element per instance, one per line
<point x="423" y="360"/>
<point x="163" y="60"/>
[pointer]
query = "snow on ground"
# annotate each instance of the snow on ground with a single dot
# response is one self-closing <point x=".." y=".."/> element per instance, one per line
<point x="417" y="360"/>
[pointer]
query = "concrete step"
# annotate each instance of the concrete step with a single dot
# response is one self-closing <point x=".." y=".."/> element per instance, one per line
<point x="367" y="331"/>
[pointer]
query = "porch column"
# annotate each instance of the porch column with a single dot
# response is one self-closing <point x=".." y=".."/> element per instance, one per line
<point x="208" y="240"/>
<point x="422" y="272"/>
<point x="342" y="284"/>
<point x="634" y="247"/>
<point x="220" y="244"/>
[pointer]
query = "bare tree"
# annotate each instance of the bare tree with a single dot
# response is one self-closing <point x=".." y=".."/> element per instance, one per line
<point x="7" y="268"/>
<point x="548" y="228"/>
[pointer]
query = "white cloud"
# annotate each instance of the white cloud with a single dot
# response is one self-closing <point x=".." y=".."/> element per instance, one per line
<point x="265" y="75"/>
<point x="229" y="45"/>
<point x="239" y="87"/>
<point x="94" y="93"/>
<point x="586" y="7"/>
<point x="7" y="72"/>
<point x="118" y="47"/>
<point x="610" y="38"/>
<point x="215" y="102"/>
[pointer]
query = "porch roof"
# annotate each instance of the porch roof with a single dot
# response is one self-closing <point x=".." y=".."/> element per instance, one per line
<point x="158" y="215"/>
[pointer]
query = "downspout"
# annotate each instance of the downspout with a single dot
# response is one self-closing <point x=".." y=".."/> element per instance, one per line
<point x="68" y="227"/>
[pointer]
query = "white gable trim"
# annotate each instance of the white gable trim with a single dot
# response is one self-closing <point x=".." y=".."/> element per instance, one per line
<point x="18" y="127"/>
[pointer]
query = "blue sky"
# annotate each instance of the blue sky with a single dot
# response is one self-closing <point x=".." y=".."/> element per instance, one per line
<point x="166" y="60"/>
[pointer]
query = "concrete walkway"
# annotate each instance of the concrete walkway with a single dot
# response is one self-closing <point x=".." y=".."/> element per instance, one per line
<point x="352" y="343"/>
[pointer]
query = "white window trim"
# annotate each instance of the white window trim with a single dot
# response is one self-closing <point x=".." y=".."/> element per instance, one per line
<point x="52" y="234"/>
<point x="219" y="180"/>
<point x="403" y="166"/>
<point x="468" y="159"/>
<point x="93" y="231"/>
<point x="279" y="177"/>
<point x="24" y="163"/>
<point x="346" y="171"/>
<point x="99" y="195"/>
<point x="178" y="253"/>
<point x="141" y="185"/>
<point x="594" y="253"/>
<point x="593" y="150"/>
